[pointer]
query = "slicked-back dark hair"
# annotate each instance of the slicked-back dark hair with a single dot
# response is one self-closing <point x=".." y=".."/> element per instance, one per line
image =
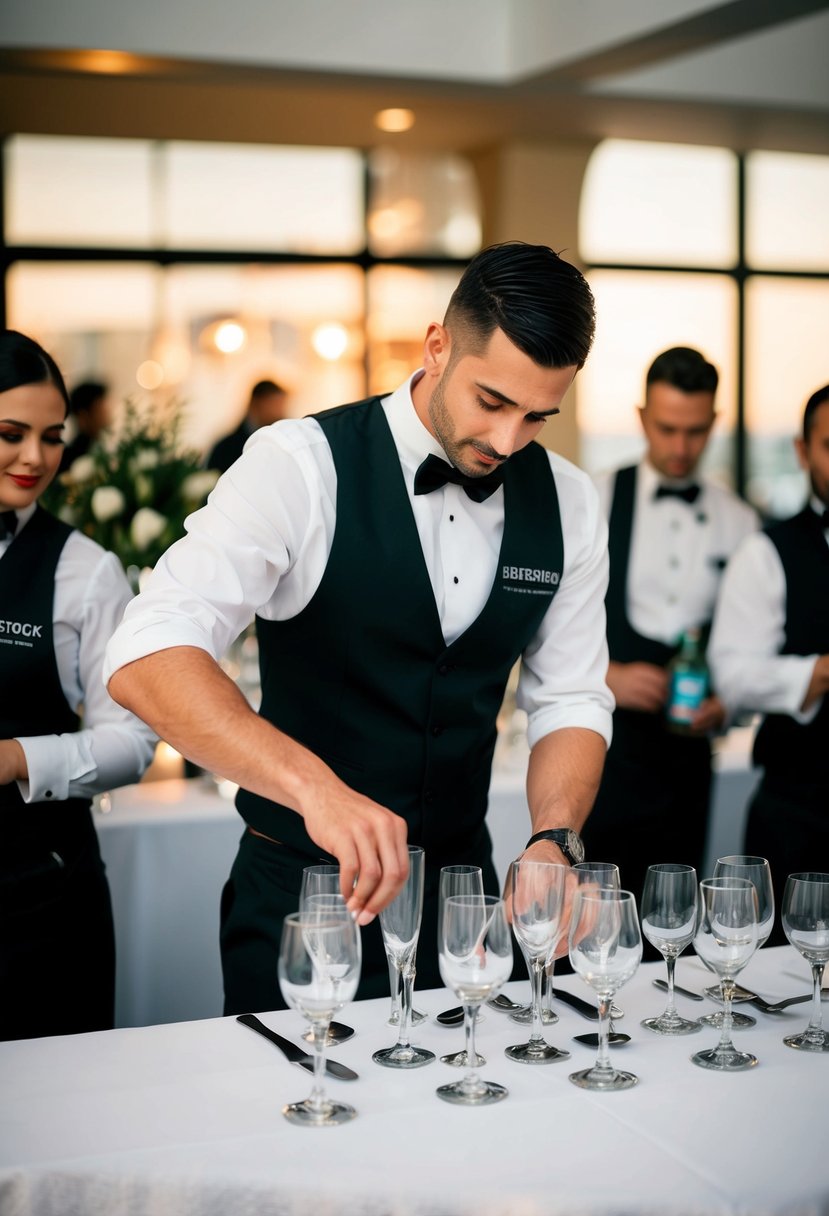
<point x="24" y="361"/>
<point x="542" y="303"/>
<point x="684" y="368"/>
<point x="819" y="397"/>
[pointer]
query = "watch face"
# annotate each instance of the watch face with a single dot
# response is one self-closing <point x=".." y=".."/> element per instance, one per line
<point x="574" y="846"/>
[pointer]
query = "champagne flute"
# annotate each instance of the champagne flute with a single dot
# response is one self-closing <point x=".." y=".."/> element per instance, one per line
<point x="475" y="958"/>
<point x="459" y="880"/>
<point x="605" y="950"/>
<point x="669" y="921"/>
<point x="395" y="988"/>
<point x="742" y="865"/>
<point x="319" y="969"/>
<point x="537" y="898"/>
<point x="317" y="881"/>
<point x="725" y="940"/>
<point x="806" y="925"/>
<point x="400" y="923"/>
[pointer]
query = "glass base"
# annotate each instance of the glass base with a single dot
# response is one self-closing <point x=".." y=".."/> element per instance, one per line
<point x="535" y="1053"/>
<point x="674" y="1025"/>
<point x="524" y="1016"/>
<point x="482" y="1093"/>
<point x="724" y="1061"/>
<point x="600" y="1079"/>
<point x="417" y="1018"/>
<point x="328" y="1114"/>
<point x="337" y="1033"/>
<point x="403" y="1057"/>
<point x="739" y="1021"/>
<point x="808" y="1040"/>
<point x="614" y="1039"/>
<point x="459" y="1059"/>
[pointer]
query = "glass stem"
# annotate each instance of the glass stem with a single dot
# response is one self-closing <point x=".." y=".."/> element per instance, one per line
<point x="537" y="980"/>
<point x="407" y="972"/>
<point x="603" y="1057"/>
<point x="816" y="1020"/>
<point x="670" y="1008"/>
<point x="394" y="988"/>
<point x="726" y="991"/>
<point x="320" y="1033"/>
<point x="548" y="984"/>
<point x="470" y="1017"/>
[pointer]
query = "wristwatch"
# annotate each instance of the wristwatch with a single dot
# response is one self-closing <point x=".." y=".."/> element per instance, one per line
<point x="567" y="840"/>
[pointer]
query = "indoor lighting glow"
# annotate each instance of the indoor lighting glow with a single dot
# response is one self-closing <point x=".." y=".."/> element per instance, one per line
<point x="150" y="374"/>
<point x="330" y="341"/>
<point x="394" y="120"/>
<point x="229" y="337"/>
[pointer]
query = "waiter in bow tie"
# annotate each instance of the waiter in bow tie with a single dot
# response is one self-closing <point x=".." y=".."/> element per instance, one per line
<point x="671" y="534"/>
<point x="400" y="555"/>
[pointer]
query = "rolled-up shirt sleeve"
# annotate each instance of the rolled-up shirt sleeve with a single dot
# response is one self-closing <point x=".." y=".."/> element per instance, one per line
<point x="562" y="681"/>
<point x="749" y="672"/>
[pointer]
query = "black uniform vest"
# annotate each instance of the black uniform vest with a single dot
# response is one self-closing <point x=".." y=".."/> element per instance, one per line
<point x="363" y="677"/>
<point x="31" y="698"/>
<point x="783" y="746"/>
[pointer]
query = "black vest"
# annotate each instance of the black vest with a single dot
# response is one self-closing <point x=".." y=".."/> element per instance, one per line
<point x="783" y="746"/>
<point x="31" y="698"/>
<point x="363" y="677"/>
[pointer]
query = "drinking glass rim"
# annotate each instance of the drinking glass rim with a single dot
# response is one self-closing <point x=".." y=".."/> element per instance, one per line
<point x="726" y="881"/>
<point x="672" y="867"/>
<point x="818" y="877"/>
<point x="742" y="859"/>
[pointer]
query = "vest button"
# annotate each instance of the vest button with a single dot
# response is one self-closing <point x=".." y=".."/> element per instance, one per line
<point x="429" y="796"/>
<point x="48" y="794"/>
<point x="437" y="730"/>
<point x="443" y="670"/>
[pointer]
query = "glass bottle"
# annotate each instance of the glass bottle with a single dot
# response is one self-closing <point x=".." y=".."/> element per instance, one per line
<point x="689" y="682"/>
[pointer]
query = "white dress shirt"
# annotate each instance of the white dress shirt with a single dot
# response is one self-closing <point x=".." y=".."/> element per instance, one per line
<point x="749" y="629"/>
<point x="261" y="544"/>
<point x="678" y="552"/>
<point x="113" y="748"/>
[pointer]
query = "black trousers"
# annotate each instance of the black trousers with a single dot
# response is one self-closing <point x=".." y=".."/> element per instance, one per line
<point x="263" y="888"/>
<point x="788" y="824"/>
<point x="57" y="943"/>
<point x="652" y="804"/>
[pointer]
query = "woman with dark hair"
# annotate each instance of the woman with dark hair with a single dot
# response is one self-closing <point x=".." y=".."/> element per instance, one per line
<point x="61" y="596"/>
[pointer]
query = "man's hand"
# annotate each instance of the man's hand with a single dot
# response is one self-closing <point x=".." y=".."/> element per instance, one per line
<point x="13" y="765"/>
<point x="642" y="686"/>
<point x="819" y="683"/>
<point x="709" y="717"/>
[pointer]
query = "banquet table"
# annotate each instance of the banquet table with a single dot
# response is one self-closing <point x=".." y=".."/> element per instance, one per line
<point x="168" y="847"/>
<point x="185" y="1120"/>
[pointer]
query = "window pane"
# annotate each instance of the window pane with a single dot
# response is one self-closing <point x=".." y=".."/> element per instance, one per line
<point x="639" y="316"/>
<point x="659" y="203"/>
<point x="787" y="323"/>
<point x="62" y="191"/>
<point x="402" y="302"/>
<point x="233" y="196"/>
<point x="422" y="204"/>
<point x="787" y="222"/>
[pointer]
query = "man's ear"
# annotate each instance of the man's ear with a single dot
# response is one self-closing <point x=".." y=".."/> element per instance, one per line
<point x="436" y="349"/>
<point x="802" y="453"/>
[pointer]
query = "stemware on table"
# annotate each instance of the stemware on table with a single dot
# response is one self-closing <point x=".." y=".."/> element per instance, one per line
<point x="725" y="940"/>
<point x="745" y="865"/>
<point x="599" y="874"/>
<point x="317" y="881"/>
<point x="400" y="924"/>
<point x="475" y="958"/>
<point x="537" y="897"/>
<point x="319" y="969"/>
<point x="669" y="920"/>
<point x="805" y="917"/>
<point x="459" y="880"/>
<point x="605" y="950"/>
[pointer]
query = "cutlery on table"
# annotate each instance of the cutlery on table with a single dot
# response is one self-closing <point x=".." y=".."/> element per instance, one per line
<point x="692" y="996"/>
<point x="614" y="1039"/>
<point x="296" y="1054"/>
<point x="503" y="1003"/>
<point x="584" y="1007"/>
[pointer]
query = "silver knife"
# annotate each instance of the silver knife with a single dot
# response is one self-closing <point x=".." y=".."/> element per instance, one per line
<point x="296" y="1054"/>
<point x="692" y="996"/>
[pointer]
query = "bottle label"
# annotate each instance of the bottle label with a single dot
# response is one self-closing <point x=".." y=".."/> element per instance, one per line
<point x="688" y="691"/>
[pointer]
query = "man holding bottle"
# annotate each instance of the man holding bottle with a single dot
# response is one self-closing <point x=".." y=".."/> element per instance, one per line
<point x="671" y="535"/>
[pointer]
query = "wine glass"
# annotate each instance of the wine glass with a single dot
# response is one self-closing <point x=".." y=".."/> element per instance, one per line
<point x="395" y="987"/>
<point x="459" y="880"/>
<point x="741" y="865"/>
<point x="400" y="923"/>
<point x="725" y="940"/>
<point x="605" y="950"/>
<point x="319" y="969"/>
<point x="475" y="959"/>
<point x="537" y="899"/>
<point x="669" y="921"/>
<point x="318" y="881"/>
<point x="599" y="874"/>
<point x="806" y="925"/>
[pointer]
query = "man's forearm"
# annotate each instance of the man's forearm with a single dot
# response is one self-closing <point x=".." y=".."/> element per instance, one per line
<point x="563" y="777"/>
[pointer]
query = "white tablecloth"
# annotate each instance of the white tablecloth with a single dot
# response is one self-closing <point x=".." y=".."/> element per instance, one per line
<point x="169" y="845"/>
<point x="184" y="1120"/>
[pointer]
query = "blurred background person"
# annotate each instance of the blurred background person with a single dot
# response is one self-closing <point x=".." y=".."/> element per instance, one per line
<point x="90" y="411"/>
<point x="670" y="537"/>
<point x="770" y="654"/>
<point x="61" y="596"/>
<point x="267" y="404"/>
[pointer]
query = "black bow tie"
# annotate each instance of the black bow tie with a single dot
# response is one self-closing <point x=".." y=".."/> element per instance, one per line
<point x="8" y="524"/>
<point x="434" y="473"/>
<point x="688" y="494"/>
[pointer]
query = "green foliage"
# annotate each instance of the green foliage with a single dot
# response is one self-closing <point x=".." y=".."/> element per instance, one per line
<point x="133" y="495"/>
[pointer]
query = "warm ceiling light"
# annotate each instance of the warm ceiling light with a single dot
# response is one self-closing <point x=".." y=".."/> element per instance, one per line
<point x="106" y="63"/>
<point x="229" y="337"/>
<point x="150" y="374"/>
<point x="330" y="341"/>
<point x="394" y="120"/>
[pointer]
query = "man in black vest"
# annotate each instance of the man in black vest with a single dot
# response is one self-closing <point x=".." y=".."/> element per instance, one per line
<point x="267" y="404"/>
<point x="386" y="641"/>
<point x="671" y="534"/>
<point x="770" y="653"/>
